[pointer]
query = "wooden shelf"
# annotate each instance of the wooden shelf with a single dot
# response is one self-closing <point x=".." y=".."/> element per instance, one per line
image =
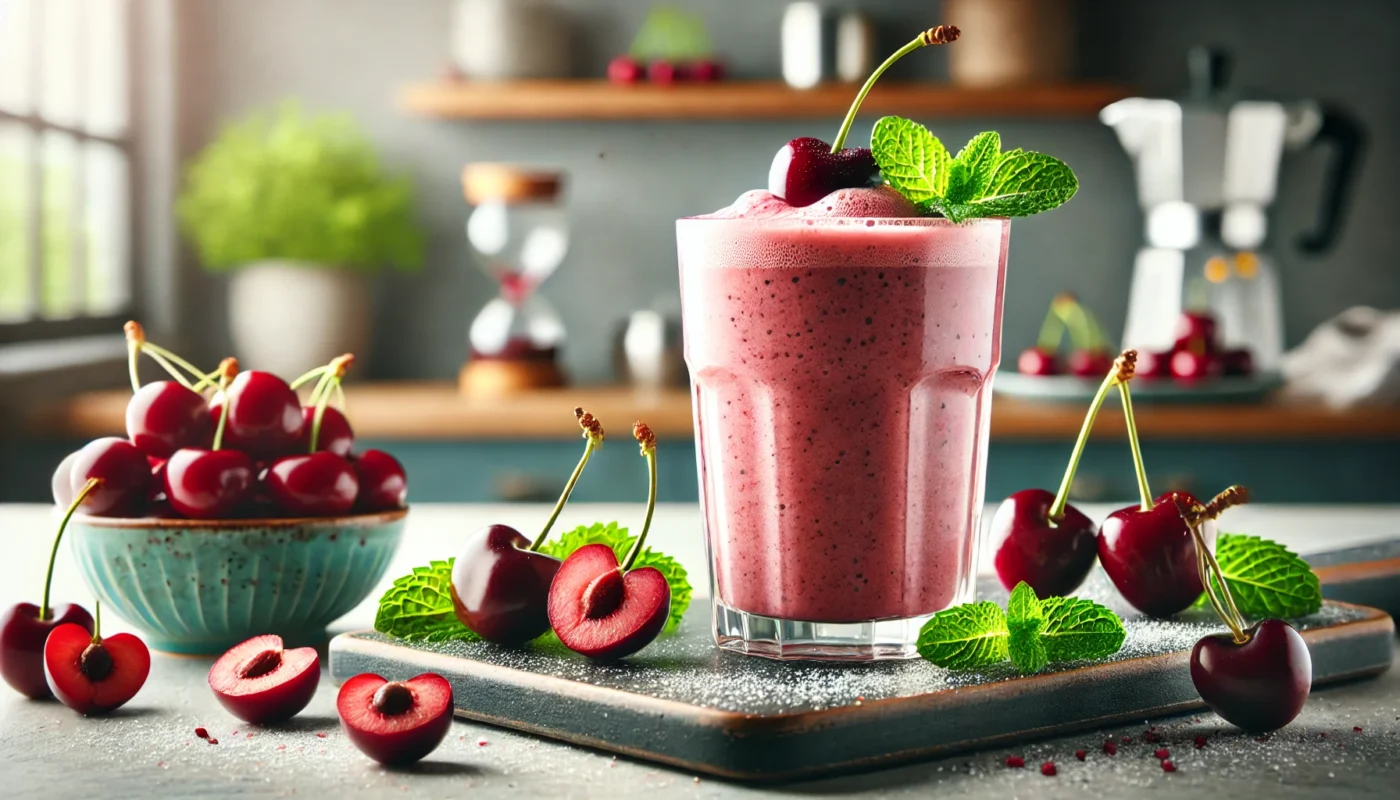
<point x="431" y="410"/>
<point x="601" y="100"/>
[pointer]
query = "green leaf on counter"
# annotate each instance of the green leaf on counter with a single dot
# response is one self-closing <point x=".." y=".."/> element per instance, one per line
<point x="1078" y="629"/>
<point x="1024" y="621"/>
<point x="418" y="607"/>
<point x="965" y="637"/>
<point x="620" y="541"/>
<point x="1265" y="578"/>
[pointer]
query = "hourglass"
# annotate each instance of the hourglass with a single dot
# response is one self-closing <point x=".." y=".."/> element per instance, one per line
<point x="519" y="234"/>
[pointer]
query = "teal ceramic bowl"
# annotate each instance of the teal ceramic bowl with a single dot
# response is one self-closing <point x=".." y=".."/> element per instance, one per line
<point x="202" y="586"/>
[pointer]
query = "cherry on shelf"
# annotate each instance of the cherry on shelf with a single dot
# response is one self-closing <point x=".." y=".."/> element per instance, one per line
<point x="1036" y="361"/>
<point x="1089" y="363"/>
<point x="395" y="722"/>
<point x="605" y="610"/>
<point x="625" y="69"/>
<point x="500" y="580"/>
<point x="260" y="681"/>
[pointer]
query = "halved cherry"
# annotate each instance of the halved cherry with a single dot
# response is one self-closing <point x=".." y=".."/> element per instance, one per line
<point x="395" y="722"/>
<point x="258" y="681"/>
<point x="93" y="675"/>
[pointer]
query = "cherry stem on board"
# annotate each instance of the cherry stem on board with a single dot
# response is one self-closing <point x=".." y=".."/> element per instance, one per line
<point x="592" y="439"/>
<point x="321" y="396"/>
<point x="942" y="34"/>
<point x="92" y="483"/>
<point x="1126" y="396"/>
<point x="647" y="439"/>
<point x="228" y="368"/>
<point x="1211" y="575"/>
<point x="1122" y="372"/>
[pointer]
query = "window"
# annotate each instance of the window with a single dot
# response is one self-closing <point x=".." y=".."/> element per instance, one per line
<point x="66" y="168"/>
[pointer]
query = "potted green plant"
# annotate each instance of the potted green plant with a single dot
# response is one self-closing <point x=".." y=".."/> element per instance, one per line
<point x="298" y="208"/>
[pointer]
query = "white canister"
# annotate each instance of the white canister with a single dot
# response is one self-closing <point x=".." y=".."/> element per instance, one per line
<point x="507" y="39"/>
<point x="803" y="51"/>
<point x="855" y="47"/>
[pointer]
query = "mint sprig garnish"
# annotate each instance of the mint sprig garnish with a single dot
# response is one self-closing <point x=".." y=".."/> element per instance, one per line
<point x="1032" y="633"/>
<point x="1265" y="578"/>
<point x="418" y="607"/>
<point x="620" y="541"/>
<point x="965" y="637"/>
<point x="981" y="181"/>
<point x="1025" y="621"/>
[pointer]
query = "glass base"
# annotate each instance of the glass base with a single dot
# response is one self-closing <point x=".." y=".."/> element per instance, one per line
<point x="794" y="640"/>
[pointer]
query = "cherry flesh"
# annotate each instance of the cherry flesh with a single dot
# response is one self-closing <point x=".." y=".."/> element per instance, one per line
<point x="94" y="677"/>
<point x="125" y="477"/>
<point x="164" y="416"/>
<point x="395" y="723"/>
<point x="500" y="588"/>
<point x="383" y="483"/>
<point x="1089" y="363"/>
<point x="335" y="436"/>
<point x="259" y="681"/>
<point x="602" y="613"/>
<point x="1037" y="361"/>
<point x="264" y="415"/>
<point x="1054" y="558"/>
<point x="805" y="170"/>
<point x="209" y="484"/>
<point x="22" y="638"/>
<point x="1259" y="685"/>
<point x="1151" y="556"/>
<point x="317" y="485"/>
<point x="625" y="69"/>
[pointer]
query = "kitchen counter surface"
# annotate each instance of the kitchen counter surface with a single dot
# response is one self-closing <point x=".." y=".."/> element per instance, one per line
<point x="434" y="410"/>
<point x="1347" y="741"/>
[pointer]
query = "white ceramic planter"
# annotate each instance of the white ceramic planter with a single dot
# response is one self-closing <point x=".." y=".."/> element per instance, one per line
<point x="287" y="317"/>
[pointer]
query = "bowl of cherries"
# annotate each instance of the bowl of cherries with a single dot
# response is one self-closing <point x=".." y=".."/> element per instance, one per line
<point x="231" y="508"/>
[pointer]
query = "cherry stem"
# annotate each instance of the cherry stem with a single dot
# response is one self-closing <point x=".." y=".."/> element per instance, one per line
<point x="647" y="440"/>
<point x="1144" y="493"/>
<point x="133" y="354"/>
<point x="335" y="371"/>
<point x="1052" y="330"/>
<point x="308" y="375"/>
<point x="92" y="483"/>
<point x="97" y="622"/>
<point x="1212" y="577"/>
<point x="593" y="437"/>
<point x="943" y="34"/>
<point x="227" y="369"/>
<point x="1122" y="371"/>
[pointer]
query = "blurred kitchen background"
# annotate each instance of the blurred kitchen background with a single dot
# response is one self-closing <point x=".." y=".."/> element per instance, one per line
<point x="105" y="105"/>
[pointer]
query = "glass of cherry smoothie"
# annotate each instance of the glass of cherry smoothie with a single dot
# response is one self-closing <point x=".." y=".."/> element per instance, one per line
<point x="841" y="356"/>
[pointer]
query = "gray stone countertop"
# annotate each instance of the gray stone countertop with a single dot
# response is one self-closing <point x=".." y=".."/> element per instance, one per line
<point x="1345" y="743"/>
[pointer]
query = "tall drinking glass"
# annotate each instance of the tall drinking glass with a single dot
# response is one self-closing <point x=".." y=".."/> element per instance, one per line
<point x="842" y="380"/>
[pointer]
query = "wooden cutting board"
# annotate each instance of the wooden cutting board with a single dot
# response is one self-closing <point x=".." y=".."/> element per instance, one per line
<point x="685" y="703"/>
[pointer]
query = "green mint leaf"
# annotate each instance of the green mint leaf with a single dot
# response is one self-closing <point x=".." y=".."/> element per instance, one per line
<point x="620" y="541"/>
<point x="911" y="159"/>
<point x="961" y="185"/>
<point x="1025" y="620"/>
<point x="1023" y="183"/>
<point x="1265" y="578"/>
<point x="979" y="157"/>
<point x="1078" y="629"/>
<point x="965" y="637"/>
<point x="418" y="607"/>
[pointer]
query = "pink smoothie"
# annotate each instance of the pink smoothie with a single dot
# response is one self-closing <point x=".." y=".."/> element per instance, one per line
<point x="842" y="358"/>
